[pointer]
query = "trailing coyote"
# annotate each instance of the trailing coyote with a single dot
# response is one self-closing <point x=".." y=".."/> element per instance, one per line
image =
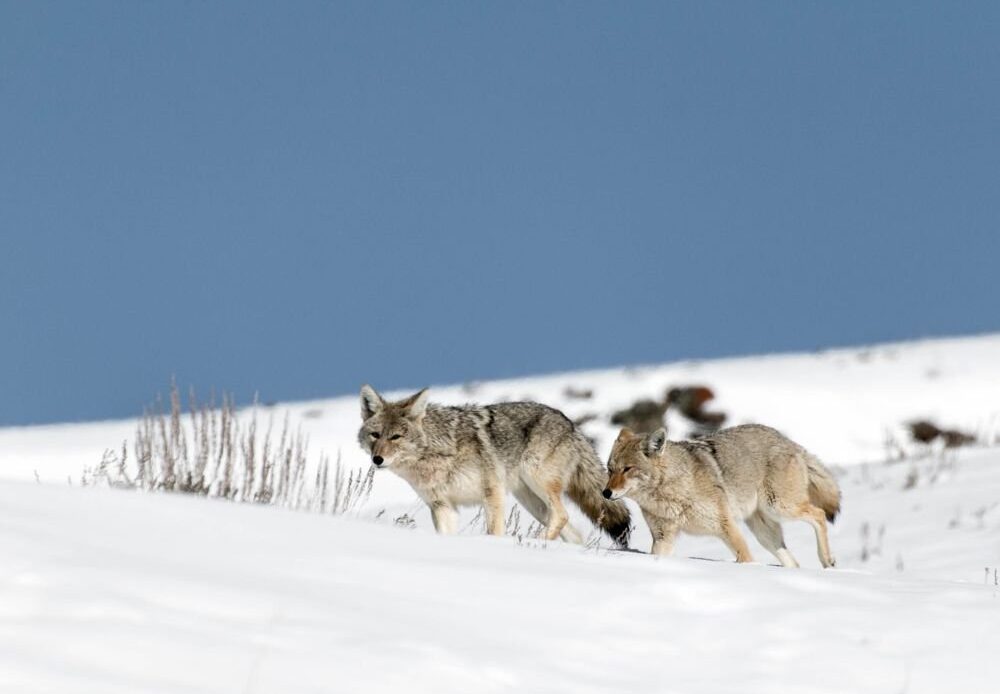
<point x="706" y="486"/>
<point x="455" y="456"/>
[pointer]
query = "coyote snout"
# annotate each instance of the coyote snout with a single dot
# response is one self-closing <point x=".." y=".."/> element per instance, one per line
<point x="618" y="485"/>
<point x="621" y="481"/>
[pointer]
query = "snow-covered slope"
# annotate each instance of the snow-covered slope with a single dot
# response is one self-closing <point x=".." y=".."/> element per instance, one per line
<point x="111" y="591"/>
<point x="105" y="591"/>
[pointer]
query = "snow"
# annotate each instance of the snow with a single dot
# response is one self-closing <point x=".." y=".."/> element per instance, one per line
<point x="109" y="591"/>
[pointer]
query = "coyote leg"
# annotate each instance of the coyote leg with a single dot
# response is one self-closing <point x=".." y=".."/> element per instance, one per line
<point x="540" y="512"/>
<point x="445" y="518"/>
<point x="493" y="498"/>
<point x="532" y="504"/>
<point x="664" y="533"/>
<point x="558" y="517"/>
<point x="768" y="532"/>
<point x="733" y="538"/>
<point x="816" y="517"/>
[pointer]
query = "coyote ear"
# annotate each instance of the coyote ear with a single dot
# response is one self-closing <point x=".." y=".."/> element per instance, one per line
<point x="625" y="434"/>
<point x="416" y="404"/>
<point x="371" y="402"/>
<point x="656" y="441"/>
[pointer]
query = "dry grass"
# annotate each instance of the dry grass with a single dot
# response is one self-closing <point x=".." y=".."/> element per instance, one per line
<point x="211" y="451"/>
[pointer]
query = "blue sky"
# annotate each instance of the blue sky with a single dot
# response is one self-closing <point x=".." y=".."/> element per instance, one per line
<point x="295" y="198"/>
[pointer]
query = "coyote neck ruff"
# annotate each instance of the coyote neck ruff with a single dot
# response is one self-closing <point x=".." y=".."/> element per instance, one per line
<point x="457" y="456"/>
<point x="673" y="481"/>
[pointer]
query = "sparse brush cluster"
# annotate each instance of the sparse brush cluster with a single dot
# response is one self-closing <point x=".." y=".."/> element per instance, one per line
<point x="215" y="451"/>
<point x="512" y="526"/>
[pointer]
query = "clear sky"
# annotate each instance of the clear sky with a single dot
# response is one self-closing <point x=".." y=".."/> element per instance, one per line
<point x="298" y="197"/>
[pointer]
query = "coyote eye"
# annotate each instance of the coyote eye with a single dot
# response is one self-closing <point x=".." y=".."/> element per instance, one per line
<point x="395" y="436"/>
<point x="374" y="434"/>
<point x="626" y="469"/>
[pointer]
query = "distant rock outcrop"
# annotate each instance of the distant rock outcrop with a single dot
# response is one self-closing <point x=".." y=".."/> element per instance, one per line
<point x="924" y="431"/>
<point x="690" y="402"/>
<point x="573" y="393"/>
<point x="645" y="416"/>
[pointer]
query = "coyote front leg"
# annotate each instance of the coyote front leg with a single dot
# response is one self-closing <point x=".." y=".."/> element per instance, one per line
<point x="445" y="517"/>
<point x="664" y="533"/>
<point x="493" y="502"/>
<point x="731" y="535"/>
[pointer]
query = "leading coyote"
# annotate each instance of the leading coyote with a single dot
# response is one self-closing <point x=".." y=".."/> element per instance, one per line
<point x="454" y="456"/>
<point x="706" y="486"/>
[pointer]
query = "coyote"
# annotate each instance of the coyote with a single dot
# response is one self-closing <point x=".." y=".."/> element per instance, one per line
<point x="455" y="456"/>
<point x="706" y="486"/>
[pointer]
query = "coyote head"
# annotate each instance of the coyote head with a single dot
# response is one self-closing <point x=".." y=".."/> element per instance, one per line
<point x="390" y="430"/>
<point x="631" y="461"/>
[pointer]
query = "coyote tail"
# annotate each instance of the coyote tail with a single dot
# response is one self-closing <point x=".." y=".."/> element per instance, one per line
<point x="585" y="486"/>
<point x="823" y="489"/>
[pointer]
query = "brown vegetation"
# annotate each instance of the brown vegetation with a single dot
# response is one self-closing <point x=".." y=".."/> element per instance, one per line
<point x="213" y="451"/>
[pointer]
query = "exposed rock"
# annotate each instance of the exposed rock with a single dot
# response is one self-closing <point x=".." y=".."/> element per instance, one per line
<point x="690" y="402"/>
<point x="578" y="393"/>
<point x="924" y="431"/>
<point x="642" y="417"/>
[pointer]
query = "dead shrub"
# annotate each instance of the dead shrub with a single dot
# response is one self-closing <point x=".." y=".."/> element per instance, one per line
<point x="216" y="452"/>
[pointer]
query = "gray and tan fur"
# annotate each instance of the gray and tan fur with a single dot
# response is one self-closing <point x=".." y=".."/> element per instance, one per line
<point x="707" y="486"/>
<point x="457" y="456"/>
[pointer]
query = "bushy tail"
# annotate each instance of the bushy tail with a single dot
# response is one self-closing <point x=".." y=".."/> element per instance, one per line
<point x="823" y="489"/>
<point x="585" y="488"/>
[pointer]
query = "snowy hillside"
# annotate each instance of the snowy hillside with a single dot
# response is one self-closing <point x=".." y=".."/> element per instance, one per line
<point x="114" y="591"/>
<point x="111" y="592"/>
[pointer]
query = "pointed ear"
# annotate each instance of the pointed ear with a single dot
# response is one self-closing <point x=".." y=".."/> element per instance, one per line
<point x="656" y="441"/>
<point x="625" y="434"/>
<point x="371" y="402"/>
<point x="415" y="405"/>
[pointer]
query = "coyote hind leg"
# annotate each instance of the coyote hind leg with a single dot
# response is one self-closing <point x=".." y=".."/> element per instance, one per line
<point x="816" y="517"/>
<point x="768" y="532"/>
<point x="539" y="510"/>
<point x="550" y="492"/>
